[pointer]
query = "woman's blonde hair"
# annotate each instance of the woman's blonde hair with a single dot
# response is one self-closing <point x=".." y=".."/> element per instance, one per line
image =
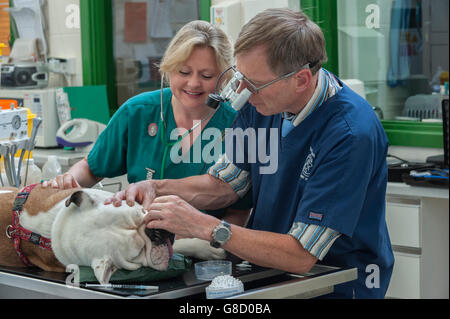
<point x="291" y="40"/>
<point x="196" y="34"/>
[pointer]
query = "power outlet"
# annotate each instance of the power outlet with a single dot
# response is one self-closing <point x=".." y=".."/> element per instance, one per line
<point x="70" y="66"/>
<point x="64" y="66"/>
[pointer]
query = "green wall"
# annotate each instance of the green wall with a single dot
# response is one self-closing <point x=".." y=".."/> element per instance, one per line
<point x="324" y="14"/>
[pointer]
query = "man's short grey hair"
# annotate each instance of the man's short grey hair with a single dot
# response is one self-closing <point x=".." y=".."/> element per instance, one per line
<point x="290" y="37"/>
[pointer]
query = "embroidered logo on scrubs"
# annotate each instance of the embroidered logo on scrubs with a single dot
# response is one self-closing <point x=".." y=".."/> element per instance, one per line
<point x="152" y="129"/>
<point x="315" y="216"/>
<point x="307" y="167"/>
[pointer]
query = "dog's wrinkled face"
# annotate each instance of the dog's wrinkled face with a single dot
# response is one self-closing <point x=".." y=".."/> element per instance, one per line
<point x="87" y="232"/>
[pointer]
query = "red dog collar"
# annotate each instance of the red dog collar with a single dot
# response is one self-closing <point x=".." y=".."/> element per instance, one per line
<point x="16" y="232"/>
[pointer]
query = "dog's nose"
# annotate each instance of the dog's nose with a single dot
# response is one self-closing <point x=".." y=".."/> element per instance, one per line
<point x="159" y="236"/>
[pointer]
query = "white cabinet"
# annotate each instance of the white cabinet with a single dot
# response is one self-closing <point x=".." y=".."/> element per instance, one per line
<point x="406" y="267"/>
<point x="418" y="223"/>
<point x="404" y="219"/>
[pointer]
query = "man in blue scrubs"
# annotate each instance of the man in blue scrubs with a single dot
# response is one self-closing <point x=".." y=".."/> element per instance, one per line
<point x="325" y="201"/>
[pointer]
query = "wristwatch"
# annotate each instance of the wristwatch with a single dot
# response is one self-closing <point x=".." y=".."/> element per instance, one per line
<point x="221" y="234"/>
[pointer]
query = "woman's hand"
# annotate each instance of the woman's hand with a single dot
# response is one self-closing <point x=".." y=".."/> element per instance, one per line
<point x="142" y="192"/>
<point x="64" y="181"/>
<point x="79" y="175"/>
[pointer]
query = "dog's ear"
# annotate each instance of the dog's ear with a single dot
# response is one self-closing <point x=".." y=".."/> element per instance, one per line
<point x="103" y="269"/>
<point x="81" y="199"/>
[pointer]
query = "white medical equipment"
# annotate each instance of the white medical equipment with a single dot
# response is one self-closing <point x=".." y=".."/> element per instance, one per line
<point x="30" y="22"/>
<point x="43" y="103"/>
<point x="14" y="138"/>
<point x="13" y="125"/>
<point x="79" y="133"/>
<point x="24" y="75"/>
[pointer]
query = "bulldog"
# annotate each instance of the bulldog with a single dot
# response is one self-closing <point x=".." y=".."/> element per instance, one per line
<point x="82" y="231"/>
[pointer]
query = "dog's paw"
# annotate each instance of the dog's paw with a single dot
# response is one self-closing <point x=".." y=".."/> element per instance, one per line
<point x="198" y="248"/>
<point x="103" y="269"/>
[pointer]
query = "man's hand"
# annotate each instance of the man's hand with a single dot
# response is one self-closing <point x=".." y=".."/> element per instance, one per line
<point x="198" y="248"/>
<point x="64" y="181"/>
<point x="142" y="192"/>
<point x="177" y="216"/>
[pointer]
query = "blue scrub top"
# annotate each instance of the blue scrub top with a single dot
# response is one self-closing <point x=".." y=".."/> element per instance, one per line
<point x="331" y="172"/>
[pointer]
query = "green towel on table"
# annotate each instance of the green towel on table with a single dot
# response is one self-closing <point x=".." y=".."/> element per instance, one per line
<point x="178" y="264"/>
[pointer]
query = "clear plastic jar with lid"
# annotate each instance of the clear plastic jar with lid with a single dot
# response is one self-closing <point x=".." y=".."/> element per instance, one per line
<point x="51" y="168"/>
<point x="31" y="176"/>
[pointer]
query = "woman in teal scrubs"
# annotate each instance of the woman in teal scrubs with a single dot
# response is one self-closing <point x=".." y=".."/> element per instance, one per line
<point x="158" y="134"/>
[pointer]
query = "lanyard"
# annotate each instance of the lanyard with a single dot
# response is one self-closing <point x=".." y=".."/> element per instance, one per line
<point x="168" y="145"/>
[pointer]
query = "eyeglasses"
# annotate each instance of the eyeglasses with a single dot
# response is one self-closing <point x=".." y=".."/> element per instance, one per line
<point x="252" y="87"/>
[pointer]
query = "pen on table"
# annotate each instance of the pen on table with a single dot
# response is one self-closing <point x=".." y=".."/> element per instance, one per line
<point x="119" y="286"/>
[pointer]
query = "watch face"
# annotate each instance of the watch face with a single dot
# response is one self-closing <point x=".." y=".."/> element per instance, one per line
<point x="222" y="234"/>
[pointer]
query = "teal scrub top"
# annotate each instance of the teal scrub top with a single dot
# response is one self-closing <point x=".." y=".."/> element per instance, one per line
<point x="131" y="143"/>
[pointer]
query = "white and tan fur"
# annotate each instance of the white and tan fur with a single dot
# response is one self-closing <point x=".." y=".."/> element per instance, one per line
<point x="83" y="231"/>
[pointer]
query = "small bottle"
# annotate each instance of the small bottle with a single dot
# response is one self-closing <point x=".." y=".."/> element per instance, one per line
<point x="51" y="168"/>
<point x="34" y="174"/>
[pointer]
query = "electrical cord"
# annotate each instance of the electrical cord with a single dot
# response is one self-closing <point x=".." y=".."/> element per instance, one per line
<point x="399" y="158"/>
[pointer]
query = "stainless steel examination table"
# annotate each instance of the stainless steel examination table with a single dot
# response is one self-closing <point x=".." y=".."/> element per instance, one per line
<point x="258" y="283"/>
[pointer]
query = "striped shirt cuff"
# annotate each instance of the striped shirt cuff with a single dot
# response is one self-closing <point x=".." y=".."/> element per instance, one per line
<point x="316" y="239"/>
<point x="237" y="178"/>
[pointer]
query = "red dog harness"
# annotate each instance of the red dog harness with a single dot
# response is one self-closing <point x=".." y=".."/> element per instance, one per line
<point x="16" y="232"/>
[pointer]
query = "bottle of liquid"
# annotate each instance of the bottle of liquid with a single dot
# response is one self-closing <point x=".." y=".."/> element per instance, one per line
<point x="51" y="168"/>
<point x="34" y="174"/>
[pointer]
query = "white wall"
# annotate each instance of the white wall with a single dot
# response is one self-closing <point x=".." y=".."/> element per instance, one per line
<point x="64" y="36"/>
<point x="232" y="22"/>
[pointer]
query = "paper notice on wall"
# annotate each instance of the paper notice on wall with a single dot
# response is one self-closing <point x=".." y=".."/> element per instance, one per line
<point x="135" y="22"/>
